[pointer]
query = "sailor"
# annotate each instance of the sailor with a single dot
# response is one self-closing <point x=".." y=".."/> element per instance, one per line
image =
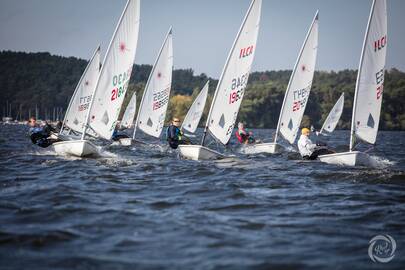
<point x="174" y="135"/>
<point x="243" y="135"/>
<point x="59" y="126"/>
<point x="309" y="150"/>
<point x="118" y="134"/>
<point x="40" y="135"/>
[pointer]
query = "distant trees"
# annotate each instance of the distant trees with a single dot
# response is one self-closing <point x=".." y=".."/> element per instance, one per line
<point x="28" y="80"/>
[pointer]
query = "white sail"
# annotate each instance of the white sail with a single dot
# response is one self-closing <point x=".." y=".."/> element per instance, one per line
<point x="129" y="114"/>
<point x="115" y="72"/>
<point x="153" y="107"/>
<point x="232" y="83"/>
<point x="190" y="122"/>
<point x="370" y="77"/>
<point x="299" y="86"/>
<point x="334" y="115"/>
<point x="79" y="103"/>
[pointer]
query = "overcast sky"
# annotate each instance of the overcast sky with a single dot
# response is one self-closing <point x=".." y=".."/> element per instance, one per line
<point x="203" y="30"/>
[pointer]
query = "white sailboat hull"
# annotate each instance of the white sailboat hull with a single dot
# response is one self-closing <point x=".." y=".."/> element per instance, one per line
<point x="198" y="152"/>
<point x="78" y="148"/>
<point x="125" y="141"/>
<point x="353" y="158"/>
<point x="270" y="148"/>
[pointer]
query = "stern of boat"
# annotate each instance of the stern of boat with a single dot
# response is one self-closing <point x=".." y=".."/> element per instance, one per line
<point x="269" y="148"/>
<point x="353" y="158"/>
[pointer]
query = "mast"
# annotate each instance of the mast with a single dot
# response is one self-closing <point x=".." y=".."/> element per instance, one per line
<point x="223" y="72"/>
<point x="149" y="79"/>
<point x="86" y="122"/>
<point x="352" y="131"/>
<point x="293" y="74"/>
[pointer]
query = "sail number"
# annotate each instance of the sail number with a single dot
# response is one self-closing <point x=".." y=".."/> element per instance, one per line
<point x="118" y="91"/>
<point x="300" y="98"/>
<point x="231" y="126"/>
<point x="120" y="83"/>
<point x="161" y="98"/>
<point x="379" y="76"/>
<point x="238" y="88"/>
<point x="84" y="103"/>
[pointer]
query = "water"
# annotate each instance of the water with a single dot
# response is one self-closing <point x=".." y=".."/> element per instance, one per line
<point x="145" y="208"/>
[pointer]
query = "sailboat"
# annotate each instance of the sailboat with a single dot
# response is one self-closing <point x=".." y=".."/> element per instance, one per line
<point x="368" y="91"/>
<point x="127" y="120"/>
<point x="193" y="116"/>
<point x="333" y="117"/>
<point x="75" y="115"/>
<point x="111" y="84"/>
<point x="155" y="99"/>
<point x="230" y="89"/>
<point x="296" y="95"/>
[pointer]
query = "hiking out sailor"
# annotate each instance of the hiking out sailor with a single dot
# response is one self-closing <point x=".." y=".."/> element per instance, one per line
<point x="40" y="135"/>
<point x="310" y="150"/>
<point x="118" y="133"/>
<point x="174" y="135"/>
<point x="243" y="135"/>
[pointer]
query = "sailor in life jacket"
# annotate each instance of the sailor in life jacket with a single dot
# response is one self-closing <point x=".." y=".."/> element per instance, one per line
<point x="118" y="133"/>
<point x="243" y="135"/>
<point x="40" y="135"/>
<point x="174" y="135"/>
<point x="310" y="150"/>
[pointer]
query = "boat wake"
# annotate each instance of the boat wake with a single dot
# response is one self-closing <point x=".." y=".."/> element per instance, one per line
<point x="381" y="163"/>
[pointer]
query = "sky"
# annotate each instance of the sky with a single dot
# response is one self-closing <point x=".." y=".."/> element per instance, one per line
<point x="203" y="30"/>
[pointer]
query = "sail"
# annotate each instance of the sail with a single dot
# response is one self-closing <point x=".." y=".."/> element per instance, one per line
<point x="196" y="110"/>
<point x="79" y="103"/>
<point x="299" y="86"/>
<point x="234" y="77"/>
<point x="334" y="115"/>
<point x="129" y="114"/>
<point x="370" y="78"/>
<point x="153" y="107"/>
<point x="115" y="72"/>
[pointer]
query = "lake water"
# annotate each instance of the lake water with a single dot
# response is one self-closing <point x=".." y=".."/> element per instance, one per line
<point x="145" y="208"/>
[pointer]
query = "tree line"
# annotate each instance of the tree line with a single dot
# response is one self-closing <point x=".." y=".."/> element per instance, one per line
<point x="45" y="81"/>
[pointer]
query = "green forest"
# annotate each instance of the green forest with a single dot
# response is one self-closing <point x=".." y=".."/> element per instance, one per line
<point x="45" y="81"/>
